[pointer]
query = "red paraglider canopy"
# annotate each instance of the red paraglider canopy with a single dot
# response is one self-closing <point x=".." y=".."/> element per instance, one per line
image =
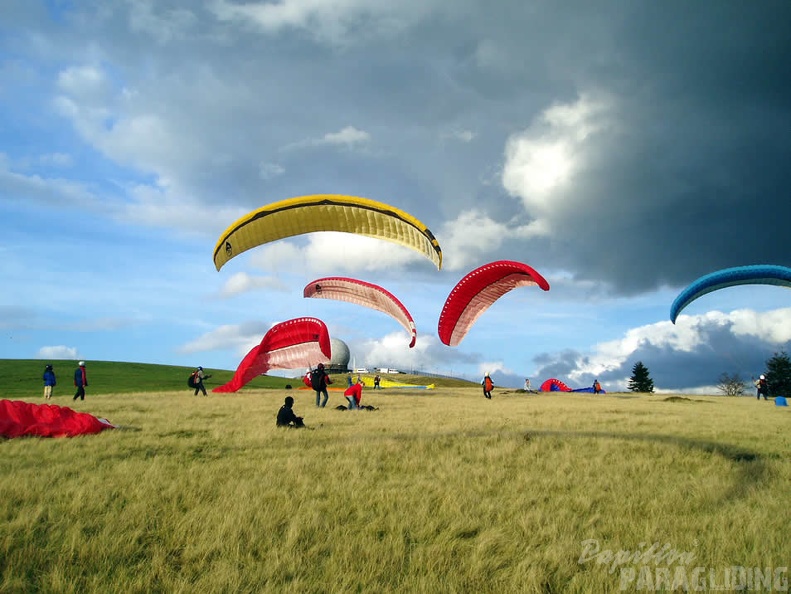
<point x="477" y="291"/>
<point x="294" y="343"/>
<point x="19" y="419"/>
<point x="554" y="385"/>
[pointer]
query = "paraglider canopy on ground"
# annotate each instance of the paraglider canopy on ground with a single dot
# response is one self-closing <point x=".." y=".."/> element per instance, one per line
<point x="21" y="419"/>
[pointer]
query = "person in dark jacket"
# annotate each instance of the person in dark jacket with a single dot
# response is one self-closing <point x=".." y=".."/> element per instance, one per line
<point x="49" y="381"/>
<point x="319" y="380"/>
<point x="286" y="416"/>
<point x="80" y="381"/>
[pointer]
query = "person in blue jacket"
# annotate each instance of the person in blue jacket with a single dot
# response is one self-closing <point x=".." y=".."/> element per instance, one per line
<point x="80" y="381"/>
<point x="49" y="381"/>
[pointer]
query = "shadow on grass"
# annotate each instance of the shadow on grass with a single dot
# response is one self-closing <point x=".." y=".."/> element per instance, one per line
<point x="750" y="465"/>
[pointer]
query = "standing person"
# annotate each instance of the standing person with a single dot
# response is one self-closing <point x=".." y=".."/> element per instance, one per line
<point x="80" y="381"/>
<point x="319" y="380"/>
<point x="199" y="376"/>
<point x="286" y="417"/>
<point x="354" y="394"/>
<point x="596" y="387"/>
<point x="487" y="384"/>
<point x="349" y="380"/>
<point x="377" y="381"/>
<point x="49" y="381"/>
<point x="762" y="387"/>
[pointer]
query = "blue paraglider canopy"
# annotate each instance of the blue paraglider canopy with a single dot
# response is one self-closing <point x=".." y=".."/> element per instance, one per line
<point x="780" y="401"/>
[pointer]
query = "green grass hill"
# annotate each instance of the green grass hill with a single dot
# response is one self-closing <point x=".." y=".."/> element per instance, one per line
<point x="21" y="378"/>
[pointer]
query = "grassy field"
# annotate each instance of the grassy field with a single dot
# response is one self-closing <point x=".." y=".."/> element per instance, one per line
<point x="436" y="491"/>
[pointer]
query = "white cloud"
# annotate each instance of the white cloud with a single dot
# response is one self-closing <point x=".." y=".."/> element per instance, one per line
<point x="268" y="171"/>
<point x="61" y="160"/>
<point x="238" y="337"/>
<point x="57" y="352"/>
<point x="332" y="22"/>
<point x="466" y="240"/>
<point x="169" y="25"/>
<point x="242" y="282"/>
<point x="347" y="137"/>
<point x="688" y="335"/>
<point x="541" y="161"/>
<point x="349" y="253"/>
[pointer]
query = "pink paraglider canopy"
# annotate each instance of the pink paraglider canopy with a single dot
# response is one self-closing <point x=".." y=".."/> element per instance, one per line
<point x="362" y="293"/>
<point x="20" y="419"/>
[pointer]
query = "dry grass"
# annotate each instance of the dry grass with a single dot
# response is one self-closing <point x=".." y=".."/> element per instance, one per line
<point x="440" y="491"/>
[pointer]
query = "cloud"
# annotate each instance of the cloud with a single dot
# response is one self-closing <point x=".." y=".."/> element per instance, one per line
<point x="678" y="356"/>
<point x="337" y="23"/>
<point x="271" y="170"/>
<point x="57" y="352"/>
<point x="541" y="162"/>
<point x="242" y="282"/>
<point x="349" y="253"/>
<point x="347" y="138"/>
<point x="238" y="337"/>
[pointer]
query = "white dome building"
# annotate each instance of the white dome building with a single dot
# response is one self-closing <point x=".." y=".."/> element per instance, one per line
<point x="339" y="361"/>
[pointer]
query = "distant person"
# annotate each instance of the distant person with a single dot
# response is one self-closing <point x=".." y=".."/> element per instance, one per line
<point x="354" y="394"/>
<point x="762" y="388"/>
<point x="487" y="384"/>
<point x="286" y="416"/>
<point x="349" y="381"/>
<point x="359" y="379"/>
<point x="377" y="382"/>
<point x="80" y="381"/>
<point x="596" y="387"/>
<point x="319" y="381"/>
<point x="198" y="377"/>
<point x="49" y="381"/>
<point x="528" y="387"/>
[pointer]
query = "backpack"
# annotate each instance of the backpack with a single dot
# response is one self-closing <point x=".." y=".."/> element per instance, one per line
<point x="191" y="379"/>
<point x="488" y="384"/>
<point x="597" y="386"/>
<point x="317" y="379"/>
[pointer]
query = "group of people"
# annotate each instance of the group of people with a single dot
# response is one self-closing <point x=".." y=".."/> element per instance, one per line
<point x="319" y="379"/>
<point x="80" y="381"/>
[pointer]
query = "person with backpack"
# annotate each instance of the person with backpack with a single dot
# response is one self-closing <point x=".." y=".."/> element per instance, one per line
<point x="596" y="387"/>
<point x="762" y="388"/>
<point x="318" y="381"/>
<point x="196" y="381"/>
<point x="49" y="381"/>
<point x="487" y="384"/>
<point x="80" y="381"/>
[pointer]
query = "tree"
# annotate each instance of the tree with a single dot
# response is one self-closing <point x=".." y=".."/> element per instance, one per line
<point x="731" y="385"/>
<point x="778" y="374"/>
<point x="641" y="380"/>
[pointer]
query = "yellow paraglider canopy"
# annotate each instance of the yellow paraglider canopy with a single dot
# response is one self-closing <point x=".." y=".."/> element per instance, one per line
<point x="326" y="212"/>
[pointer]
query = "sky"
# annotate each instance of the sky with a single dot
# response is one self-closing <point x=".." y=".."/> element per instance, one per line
<point x="622" y="149"/>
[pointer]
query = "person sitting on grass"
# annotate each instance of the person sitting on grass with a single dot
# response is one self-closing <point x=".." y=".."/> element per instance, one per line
<point x="286" y="416"/>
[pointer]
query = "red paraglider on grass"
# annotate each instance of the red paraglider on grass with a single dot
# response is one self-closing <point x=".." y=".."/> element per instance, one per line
<point x="294" y="343"/>
<point x="20" y="419"/>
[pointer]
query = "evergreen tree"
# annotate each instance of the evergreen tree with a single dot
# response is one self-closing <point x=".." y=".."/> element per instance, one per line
<point x="641" y="380"/>
<point x="778" y="374"/>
